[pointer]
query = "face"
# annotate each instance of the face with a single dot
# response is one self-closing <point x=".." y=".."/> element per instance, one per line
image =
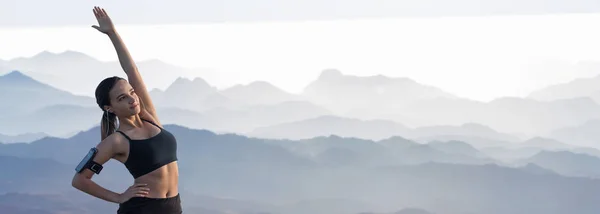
<point x="123" y="100"/>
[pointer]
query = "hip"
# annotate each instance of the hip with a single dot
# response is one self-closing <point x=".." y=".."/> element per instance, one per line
<point x="148" y="205"/>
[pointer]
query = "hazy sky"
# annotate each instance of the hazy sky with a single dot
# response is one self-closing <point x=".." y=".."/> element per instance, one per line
<point x="69" y="12"/>
<point x="479" y="57"/>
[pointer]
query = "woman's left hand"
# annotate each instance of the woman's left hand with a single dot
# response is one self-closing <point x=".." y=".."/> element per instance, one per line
<point x="105" y="25"/>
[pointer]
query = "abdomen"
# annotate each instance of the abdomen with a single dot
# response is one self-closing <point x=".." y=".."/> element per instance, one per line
<point x="163" y="182"/>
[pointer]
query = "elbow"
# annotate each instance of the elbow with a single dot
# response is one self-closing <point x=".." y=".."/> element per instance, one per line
<point x="78" y="181"/>
<point x="75" y="182"/>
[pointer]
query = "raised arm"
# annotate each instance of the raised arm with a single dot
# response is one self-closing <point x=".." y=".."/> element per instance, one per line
<point x="106" y="26"/>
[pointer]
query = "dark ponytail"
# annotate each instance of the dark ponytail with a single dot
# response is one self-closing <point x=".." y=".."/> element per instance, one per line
<point x="109" y="124"/>
<point x="109" y="120"/>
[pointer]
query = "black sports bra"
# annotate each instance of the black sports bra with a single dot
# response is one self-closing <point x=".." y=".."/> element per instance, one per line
<point x="147" y="155"/>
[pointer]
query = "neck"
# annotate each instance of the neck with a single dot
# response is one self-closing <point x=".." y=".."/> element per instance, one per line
<point x="134" y="121"/>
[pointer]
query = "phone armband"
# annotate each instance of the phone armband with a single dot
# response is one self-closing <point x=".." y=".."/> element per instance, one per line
<point x="88" y="162"/>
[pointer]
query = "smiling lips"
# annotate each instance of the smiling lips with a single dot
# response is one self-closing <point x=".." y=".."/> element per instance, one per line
<point x="134" y="105"/>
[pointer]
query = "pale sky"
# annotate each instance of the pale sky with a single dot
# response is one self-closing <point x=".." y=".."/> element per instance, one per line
<point x="475" y="57"/>
<point x="76" y="12"/>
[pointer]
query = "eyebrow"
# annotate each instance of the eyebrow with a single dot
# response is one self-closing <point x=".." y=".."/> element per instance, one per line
<point x="120" y="95"/>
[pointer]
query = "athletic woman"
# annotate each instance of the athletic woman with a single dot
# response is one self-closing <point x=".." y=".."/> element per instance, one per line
<point x="148" y="151"/>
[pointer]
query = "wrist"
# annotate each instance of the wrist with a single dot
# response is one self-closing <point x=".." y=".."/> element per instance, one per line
<point x="112" y="33"/>
<point x="118" y="198"/>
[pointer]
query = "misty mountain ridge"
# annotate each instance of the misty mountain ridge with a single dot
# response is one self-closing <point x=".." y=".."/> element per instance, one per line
<point x="199" y="95"/>
<point x="332" y="88"/>
<point x="191" y="94"/>
<point x="179" y="87"/>
<point x="567" y="163"/>
<point x="22" y="138"/>
<point x="46" y="58"/>
<point x="54" y="120"/>
<point x="340" y="126"/>
<point x="458" y="148"/>
<point x="375" y="129"/>
<point x="59" y="113"/>
<point x="579" y="87"/>
<point x="27" y="94"/>
<point x="376" y="97"/>
<point x="373" y="98"/>
<point x="277" y="172"/>
<point x="585" y="134"/>
<point x="60" y="69"/>
<point x="543" y="142"/>
<point x="260" y="93"/>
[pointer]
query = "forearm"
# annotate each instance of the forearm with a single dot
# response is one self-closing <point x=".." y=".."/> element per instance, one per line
<point x="92" y="188"/>
<point x="125" y="58"/>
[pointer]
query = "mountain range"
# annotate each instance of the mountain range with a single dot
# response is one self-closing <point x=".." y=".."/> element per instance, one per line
<point x="38" y="107"/>
<point x="79" y="73"/>
<point x="395" y="105"/>
<point x="332" y="175"/>
<point x="26" y="95"/>
<point x="22" y="138"/>
<point x="580" y="87"/>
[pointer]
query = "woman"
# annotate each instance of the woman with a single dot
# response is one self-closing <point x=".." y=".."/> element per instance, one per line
<point x="148" y="151"/>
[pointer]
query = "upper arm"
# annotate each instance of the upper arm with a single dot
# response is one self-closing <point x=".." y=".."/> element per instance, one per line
<point x="106" y="151"/>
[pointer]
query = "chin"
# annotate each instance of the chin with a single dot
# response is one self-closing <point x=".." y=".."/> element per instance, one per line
<point x="136" y="110"/>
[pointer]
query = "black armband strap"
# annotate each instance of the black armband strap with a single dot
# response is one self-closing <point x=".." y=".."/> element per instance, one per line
<point x="95" y="167"/>
<point x="88" y="163"/>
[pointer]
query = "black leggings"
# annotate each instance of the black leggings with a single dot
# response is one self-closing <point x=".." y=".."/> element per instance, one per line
<point x="140" y="205"/>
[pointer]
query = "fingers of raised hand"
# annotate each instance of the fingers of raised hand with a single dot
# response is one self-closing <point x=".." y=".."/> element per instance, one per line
<point x="100" y="12"/>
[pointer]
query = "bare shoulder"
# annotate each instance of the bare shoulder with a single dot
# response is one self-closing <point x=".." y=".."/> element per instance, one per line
<point x="113" y="140"/>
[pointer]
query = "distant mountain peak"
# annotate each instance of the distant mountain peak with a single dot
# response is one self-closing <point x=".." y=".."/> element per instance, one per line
<point x="477" y="127"/>
<point x="15" y="74"/>
<point x="256" y="85"/>
<point x="44" y="54"/>
<point x="182" y="83"/>
<point x="539" y="139"/>
<point x="68" y="54"/>
<point x="181" y="80"/>
<point x="200" y="80"/>
<point x="261" y="83"/>
<point x="332" y="83"/>
<point x="333" y="74"/>
<point x="17" y="77"/>
<point x="330" y="73"/>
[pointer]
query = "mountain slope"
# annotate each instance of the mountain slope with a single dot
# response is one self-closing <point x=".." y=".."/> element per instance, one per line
<point x="33" y="174"/>
<point x="580" y="87"/>
<point x="332" y="89"/>
<point x="584" y="134"/>
<point x="567" y="163"/>
<point x="259" y="93"/>
<point x="22" y="138"/>
<point x="332" y="125"/>
<point x="410" y="103"/>
<point x="375" y="129"/>
<point x="242" y="168"/>
<point x="27" y="94"/>
<point x="61" y="69"/>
